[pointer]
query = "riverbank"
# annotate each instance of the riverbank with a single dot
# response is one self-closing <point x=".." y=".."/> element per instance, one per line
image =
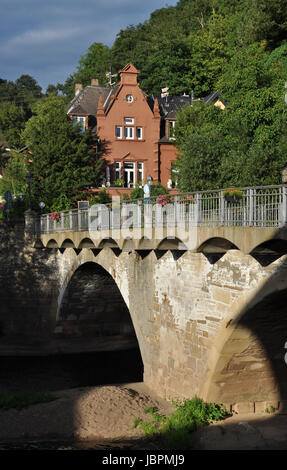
<point x="99" y="414"/>
<point x="101" y="418"/>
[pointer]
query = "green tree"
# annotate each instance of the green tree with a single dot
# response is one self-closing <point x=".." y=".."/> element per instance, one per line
<point x="12" y="122"/>
<point x="52" y="89"/>
<point x="246" y="143"/>
<point x="28" y="84"/>
<point x="95" y="63"/>
<point x="63" y="159"/>
<point x="14" y="179"/>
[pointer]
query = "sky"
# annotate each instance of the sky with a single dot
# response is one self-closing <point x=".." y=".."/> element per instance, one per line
<point x="45" y="39"/>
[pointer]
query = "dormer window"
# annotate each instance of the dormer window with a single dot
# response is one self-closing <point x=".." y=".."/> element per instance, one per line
<point x="80" y="120"/>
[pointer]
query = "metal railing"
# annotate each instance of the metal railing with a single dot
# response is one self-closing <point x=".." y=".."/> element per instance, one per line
<point x="264" y="206"/>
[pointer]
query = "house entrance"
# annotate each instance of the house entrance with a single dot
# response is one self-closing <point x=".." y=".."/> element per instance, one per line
<point x="129" y="174"/>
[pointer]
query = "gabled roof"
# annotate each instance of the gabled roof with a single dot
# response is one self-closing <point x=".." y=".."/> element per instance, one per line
<point x="212" y="97"/>
<point x="170" y="105"/>
<point x="129" y="68"/>
<point x="86" y="102"/>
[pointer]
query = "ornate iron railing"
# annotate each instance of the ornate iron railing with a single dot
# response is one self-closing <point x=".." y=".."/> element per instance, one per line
<point x="264" y="206"/>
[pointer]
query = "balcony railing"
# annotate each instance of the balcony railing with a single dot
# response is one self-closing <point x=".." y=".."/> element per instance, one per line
<point x="258" y="206"/>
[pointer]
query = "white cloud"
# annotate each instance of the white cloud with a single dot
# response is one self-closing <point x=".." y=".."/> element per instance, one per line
<point x="46" y="39"/>
<point x="42" y="36"/>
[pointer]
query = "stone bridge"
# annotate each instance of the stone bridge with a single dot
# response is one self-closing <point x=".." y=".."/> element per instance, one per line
<point x="208" y="312"/>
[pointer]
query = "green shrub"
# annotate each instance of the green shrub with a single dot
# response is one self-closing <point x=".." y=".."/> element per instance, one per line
<point x="157" y="190"/>
<point x="188" y="416"/>
<point x="137" y="193"/>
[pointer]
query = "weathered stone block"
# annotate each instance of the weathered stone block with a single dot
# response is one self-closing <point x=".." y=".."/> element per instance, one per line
<point x="243" y="407"/>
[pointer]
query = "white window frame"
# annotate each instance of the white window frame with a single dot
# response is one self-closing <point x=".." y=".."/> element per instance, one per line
<point x="129" y="133"/>
<point x="129" y="98"/>
<point x="171" y="125"/>
<point x="129" y="120"/>
<point x="141" y="132"/>
<point x="129" y="171"/>
<point x="140" y="172"/>
<point x="117" y="169"/>
<point x="121" y="132"/>
<point x="80" y="120"/>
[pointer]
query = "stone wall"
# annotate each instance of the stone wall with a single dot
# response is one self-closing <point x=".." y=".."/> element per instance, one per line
<point x="215" y="329"/>
<point x="28" y="278"/>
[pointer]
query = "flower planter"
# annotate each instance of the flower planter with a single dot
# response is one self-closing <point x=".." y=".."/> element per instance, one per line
<point x="232" y="196"/>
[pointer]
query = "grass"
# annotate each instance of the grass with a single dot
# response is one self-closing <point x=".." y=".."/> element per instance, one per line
<point x="188" y="416"/>
<point x="21" y="400"/>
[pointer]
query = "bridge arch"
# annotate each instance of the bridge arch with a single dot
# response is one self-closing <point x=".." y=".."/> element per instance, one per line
<point x="86" y="243"/>
<point x="52" y="244"/>
<point x="93" y="311"/>
<point x="108" y="243"/>
<point x="216" y="245"/>
<point x="171" y="244"/>
<point x="68" y="243"/>
<point x="246" y="361"/>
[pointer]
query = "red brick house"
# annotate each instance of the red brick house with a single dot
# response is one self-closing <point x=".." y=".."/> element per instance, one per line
<point x="135" y="131"/>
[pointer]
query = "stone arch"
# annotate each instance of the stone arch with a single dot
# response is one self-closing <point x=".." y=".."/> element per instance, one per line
<point x="52" y="244"/>
<point x="104" y="318"/>
<point x="86" y="243"/>
<point x="246" y="367"/>
<point x="171" y="244"/>
<point x="68" y="243"/>
<point x="108" y="243"/>
<point x="145" y="244"/>
<point x="216" y="245"/>
<point x="269" y="251"/>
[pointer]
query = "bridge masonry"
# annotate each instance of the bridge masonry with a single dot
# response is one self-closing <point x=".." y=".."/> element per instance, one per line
<point x="203" y="327"/>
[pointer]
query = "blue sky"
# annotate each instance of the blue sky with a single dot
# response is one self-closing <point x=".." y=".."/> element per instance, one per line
<point x="45" y="39"/>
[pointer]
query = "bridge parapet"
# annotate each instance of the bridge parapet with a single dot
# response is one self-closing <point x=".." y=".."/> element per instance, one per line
<point x="190" y="218"/>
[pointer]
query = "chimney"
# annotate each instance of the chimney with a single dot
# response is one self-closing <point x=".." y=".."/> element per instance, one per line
<point x="78" y="88"/>
<point x="94" y="81"/>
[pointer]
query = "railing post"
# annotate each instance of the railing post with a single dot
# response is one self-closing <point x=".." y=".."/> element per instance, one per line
<point x="284" y="206"/>
<point x="221" y="208"/>
<point x="79" y="220"/>
<point x="47" y="223"/>
<point x="250" y="199"/>
<point x="197" y="209"/>
<point x="70" y="220"/>
<point x="62" y="222"/>
<point x="139" y="214"/>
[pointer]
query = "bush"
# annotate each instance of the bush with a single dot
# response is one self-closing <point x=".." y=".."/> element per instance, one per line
<point x="137" y="193"/>
<point x="187" y="417"/>
<point x="158" y="189"/>
<point x="101" y="198"/>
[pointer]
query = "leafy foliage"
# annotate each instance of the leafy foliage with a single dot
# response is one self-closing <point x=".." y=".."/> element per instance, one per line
<point x="63" y="160"/>
<point x="196" y="47"/>
<point x="246" y="143"/>
<point x="14" y="179"/>
<point x="188" y="416"/>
